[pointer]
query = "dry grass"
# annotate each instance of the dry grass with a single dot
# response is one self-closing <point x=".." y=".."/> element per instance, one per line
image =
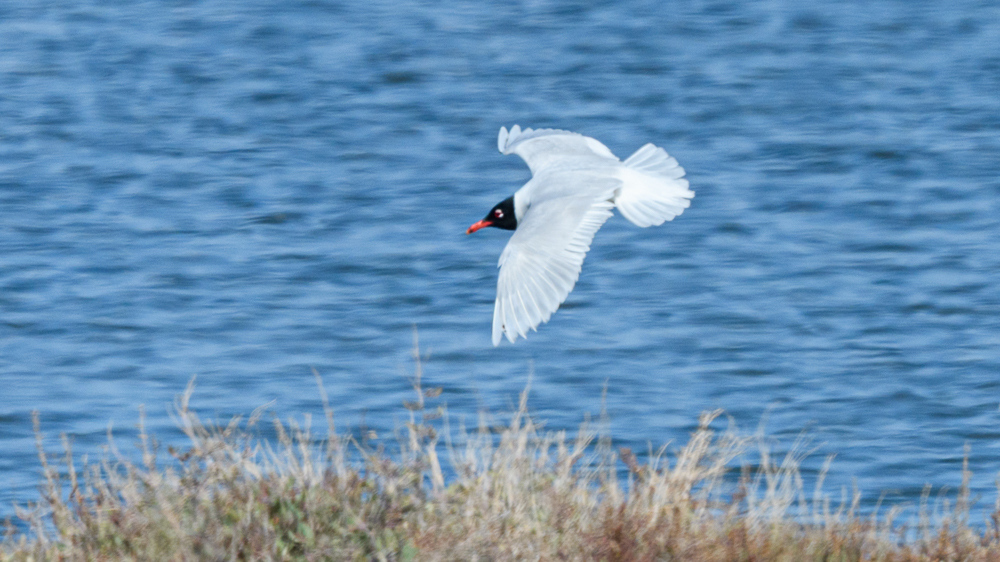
<point x="513" y="493"/>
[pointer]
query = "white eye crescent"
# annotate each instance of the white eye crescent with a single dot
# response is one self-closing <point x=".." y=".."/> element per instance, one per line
<point x="498" y="214"/>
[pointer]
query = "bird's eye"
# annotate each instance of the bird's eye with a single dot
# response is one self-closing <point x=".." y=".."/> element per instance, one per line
<point x="498" y="214"/>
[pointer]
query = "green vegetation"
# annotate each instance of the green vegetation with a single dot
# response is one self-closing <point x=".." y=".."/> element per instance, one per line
<point x="517" y="493"/>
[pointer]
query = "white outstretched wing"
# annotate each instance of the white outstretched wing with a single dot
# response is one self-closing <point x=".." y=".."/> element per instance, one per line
<point x="542" y="148"/>
<point x="542" y="261"/>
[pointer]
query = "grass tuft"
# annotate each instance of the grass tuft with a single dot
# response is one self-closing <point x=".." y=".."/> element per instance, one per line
<point x="513" y="492"/>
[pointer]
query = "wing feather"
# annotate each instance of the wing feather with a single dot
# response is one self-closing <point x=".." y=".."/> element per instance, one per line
<point x="541" y="148"/>
<point x="536" y="277"/>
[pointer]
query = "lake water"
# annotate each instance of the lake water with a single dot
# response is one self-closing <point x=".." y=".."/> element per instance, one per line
<point x="244" y="191"/>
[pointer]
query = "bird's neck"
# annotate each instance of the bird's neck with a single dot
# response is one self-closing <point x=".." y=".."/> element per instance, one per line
<point x="522" y="201"/>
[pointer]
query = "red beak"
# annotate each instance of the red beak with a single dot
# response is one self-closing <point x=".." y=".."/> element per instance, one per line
<point x="481" y="224"/>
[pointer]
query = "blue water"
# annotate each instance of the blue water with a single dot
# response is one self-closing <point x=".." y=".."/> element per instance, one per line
<point x="244" y="191"/>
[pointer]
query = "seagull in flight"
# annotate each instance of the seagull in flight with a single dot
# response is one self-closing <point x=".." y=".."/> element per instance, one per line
<point x="575" y="183"/>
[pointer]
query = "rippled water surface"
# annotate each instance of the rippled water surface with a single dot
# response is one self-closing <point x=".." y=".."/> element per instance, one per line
<point x="243" y="191"/>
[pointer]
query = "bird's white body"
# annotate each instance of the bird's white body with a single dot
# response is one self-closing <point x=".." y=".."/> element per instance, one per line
<point x="576" y="182"/>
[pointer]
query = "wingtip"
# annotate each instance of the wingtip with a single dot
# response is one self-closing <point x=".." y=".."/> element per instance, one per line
<point x="515" y="132"/>
<point x="501" y="331"/>
<point x="506" y="139"/>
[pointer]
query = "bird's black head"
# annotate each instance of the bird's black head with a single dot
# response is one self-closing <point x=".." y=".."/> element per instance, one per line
<point x="500" y="216"/>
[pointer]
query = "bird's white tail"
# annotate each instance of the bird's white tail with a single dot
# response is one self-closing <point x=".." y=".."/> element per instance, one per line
<point x="653" y="188"/>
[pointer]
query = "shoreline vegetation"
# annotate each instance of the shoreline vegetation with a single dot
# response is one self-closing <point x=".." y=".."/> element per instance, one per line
<point x="513" y="492"/>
